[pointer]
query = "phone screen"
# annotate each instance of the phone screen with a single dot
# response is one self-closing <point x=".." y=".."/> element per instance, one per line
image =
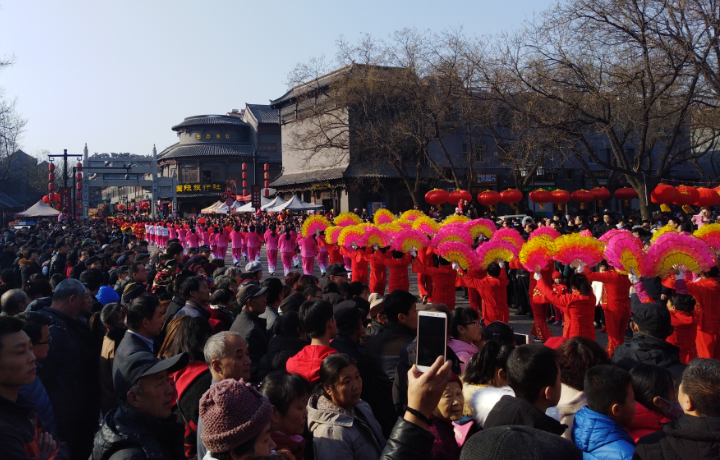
<point x="431" y="339"/>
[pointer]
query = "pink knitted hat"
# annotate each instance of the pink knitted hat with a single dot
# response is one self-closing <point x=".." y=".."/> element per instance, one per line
<point x="232" y="414"/>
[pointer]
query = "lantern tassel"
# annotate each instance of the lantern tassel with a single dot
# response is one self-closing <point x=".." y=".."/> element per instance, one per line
<point x="664" y="208"/>
<point x="560" y="207"/>
<point x="688" y="209"/>
<point x="627" y="203"/>
<point x="542" y="206"/>
<point x="512" y="205"/>
<point x="582" y="205"/>
<point x="492" y="208"/>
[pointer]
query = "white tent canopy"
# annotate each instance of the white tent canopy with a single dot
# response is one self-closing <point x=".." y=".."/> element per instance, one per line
<point x="248" y="207"/>
<point x="295" y="204"/>
<point x="39" y="209"/>
<point x="276" y="202"/>
<point x="217" y="208"/>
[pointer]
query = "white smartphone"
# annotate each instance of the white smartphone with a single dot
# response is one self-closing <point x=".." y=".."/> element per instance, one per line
<point x="431" y="338"/>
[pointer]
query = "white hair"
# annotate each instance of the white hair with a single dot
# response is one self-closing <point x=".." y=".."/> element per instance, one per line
<point x="216" y="346"/>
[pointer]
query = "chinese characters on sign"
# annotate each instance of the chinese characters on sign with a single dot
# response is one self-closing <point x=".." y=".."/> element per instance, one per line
<point x="210" y="136"/>
<point x="256" y="196"/>
<point x="65" y="199"/>
<point x="193" y="188"/>
<point x="487" y="179"/>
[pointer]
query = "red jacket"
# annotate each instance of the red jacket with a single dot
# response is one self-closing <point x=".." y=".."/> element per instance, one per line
<point x="307" y="362"/>
<point x="617" y="287"/>
<point x="707" y="295"/>
<point x="443" y="281"/>
<point x="359" y="265"/>
<point x="493" y="292"/>
<point x="333" y="250"/>
<point x="399" y="278"/>
<point x="645" y="422"/>
<point x="378" y="271"/>
<point x="536" y="297"/>
<point x="579" y="311"/>
<point x="685" y="324"/>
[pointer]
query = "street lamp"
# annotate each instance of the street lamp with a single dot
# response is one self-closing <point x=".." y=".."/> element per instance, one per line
<point x="523" y="172"/>
<point x="540" y="171"/>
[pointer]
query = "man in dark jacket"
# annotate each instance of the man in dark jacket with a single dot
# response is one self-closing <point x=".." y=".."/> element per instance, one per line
<point x="80" y="267"/>
<point x="58" y="262"/>
<point x="143" y="427"/>
<point x="696" y="434"/>
<point x="651" y="326"/>
<point x="288" y="340"/>
<point x="253" y="328"/>
<point x="7" y="256"/>
<point x="385" y="347"/>
<point x="337" y="274"/>
<point x="534" y="376"/>
<point x="70" y="370"/>
<point x="197" y="295"/>
<point x="605" y="226"/>
<point x="144" y="323"/>
<point x="21" y="431"/>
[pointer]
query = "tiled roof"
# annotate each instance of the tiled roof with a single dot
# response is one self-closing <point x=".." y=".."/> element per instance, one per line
<point x="307" y="177"/>
<point x="370" y="170"/>
<point x="263" y="113"/>
<point x="204" y="150"/>
<point x="204" y="120"/>
<point x="7" y="202"/>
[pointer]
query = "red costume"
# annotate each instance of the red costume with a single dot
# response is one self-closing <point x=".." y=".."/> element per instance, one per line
<point x="493" y="292"/>
<point x="617" y="313"/>
<point x="378" y="271"/>
<point x="540" y="306"/>
<point x="443" y="280"/>
<point x="425" y="282"/>
<point x="399" y="278"/>
<point x="579" y="311"/>
<point x="358" y="264"/>
<point x="707" y="295"/>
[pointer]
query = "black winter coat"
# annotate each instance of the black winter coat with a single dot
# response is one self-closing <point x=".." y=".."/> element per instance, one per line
<point x="129" y="345"/>
<point x="130" y="435"/>
<point x="57" y="265"/>
<point x="687" y="438"/>
<point x="70" y="375"/>
<point x="647" y="349"/>
<point x="408" y="441"/>
<point x="280" y="349"/>
<point x="254" y="331"/>
<point x="18" y="426"/>
<point x="515" y="411"/>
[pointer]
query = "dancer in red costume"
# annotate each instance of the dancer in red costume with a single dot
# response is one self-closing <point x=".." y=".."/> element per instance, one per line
<point x="493" y="291"/>
<point x="578" y="306"/>
<point x="617" y="312"/>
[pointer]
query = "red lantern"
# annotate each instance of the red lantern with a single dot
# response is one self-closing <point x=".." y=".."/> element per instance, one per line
<point x="540" y="196"/>
<point x="559" y="197"/>
<point x="663" y="193"/>
<point x="582" y="197"/>
<point x="266" y="167"/>
<point x="626" y="194"/>
<point x="601" y="194"/>
<point x="707" y="197"/>
<point x="244" y="166"/>
<point x="51" y="177"/>
<point x="78" y="176"/>
<point x="51" y="187"/>
<point x="78" y="196"/>
<point x="51" y="167"/>
<point x="510" y="196"/>
<point x="457" y="196"/>
<point x="489" y="198"/>
<point x="46" y="199"/>
<point x="56" y="197"/>
<point x="686" y="195"/>
<point x="436" y="196"/>
<point x="78" y="186"/>
<point x="78" y="166"/>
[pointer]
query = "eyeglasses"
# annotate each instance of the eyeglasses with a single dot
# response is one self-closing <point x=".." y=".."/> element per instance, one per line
<point x="45" y="343"/>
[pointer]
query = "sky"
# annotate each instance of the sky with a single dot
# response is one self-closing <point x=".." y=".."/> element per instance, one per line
<point x="118" y="74"/>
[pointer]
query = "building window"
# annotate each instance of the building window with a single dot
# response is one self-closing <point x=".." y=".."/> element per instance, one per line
<point x="569" y="174"/>
<point x="268" y="147"/>
<point x="207" y="176"/>
<point x="189" y="175"/>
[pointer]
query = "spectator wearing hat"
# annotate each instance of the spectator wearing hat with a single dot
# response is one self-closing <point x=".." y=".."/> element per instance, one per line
<point x="122" y="273"/>
<point x="197" y="295"/>
<point x="318" y="321"/>
<point x="253" y="273"/>
<point x="107" y="295"/>
<point x="330" y="285"/>
<point x="21" y="433"/>
<point x="651" y="326"/>
<point x="70" y="370"/>
<point x="131" y="292"/>
<point x="376" y="314"/>
<point x="236" y="420"/>
<point x="143" y="426"/>
<point x="251" y="326"/>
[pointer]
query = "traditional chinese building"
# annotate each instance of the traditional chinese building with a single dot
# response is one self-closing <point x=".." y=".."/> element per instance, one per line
<point x="211" y="150"/>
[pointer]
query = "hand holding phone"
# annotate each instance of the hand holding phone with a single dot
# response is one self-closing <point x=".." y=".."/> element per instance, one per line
<point x="431" y="338"/>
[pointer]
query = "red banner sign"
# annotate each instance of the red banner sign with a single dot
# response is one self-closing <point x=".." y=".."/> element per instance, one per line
<point x="65" y="199"/>
<point x="256" y="197"/>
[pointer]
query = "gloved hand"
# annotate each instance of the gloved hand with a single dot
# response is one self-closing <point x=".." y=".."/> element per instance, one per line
<point x="501" y="263"/>
<point x="680" y="274"/>
<point x="581" y="268"/>
<point x="413" y="252"/>
<point x="633" y="277"/>
<point x="354" y="245"/>
<point x="537" y="275"/>
<point x="455" y="266"/>
<point x="375" y="247"/>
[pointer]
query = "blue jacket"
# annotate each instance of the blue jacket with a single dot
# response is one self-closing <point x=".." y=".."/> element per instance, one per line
<point x="600" y="437"/>
<point x="36" y="394"/>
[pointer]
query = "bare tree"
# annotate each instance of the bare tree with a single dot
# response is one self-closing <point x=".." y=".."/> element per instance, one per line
<point x="12" y="126"/>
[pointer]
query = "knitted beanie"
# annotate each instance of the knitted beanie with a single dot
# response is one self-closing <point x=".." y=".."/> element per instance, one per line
<point x="232" y="413"/>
